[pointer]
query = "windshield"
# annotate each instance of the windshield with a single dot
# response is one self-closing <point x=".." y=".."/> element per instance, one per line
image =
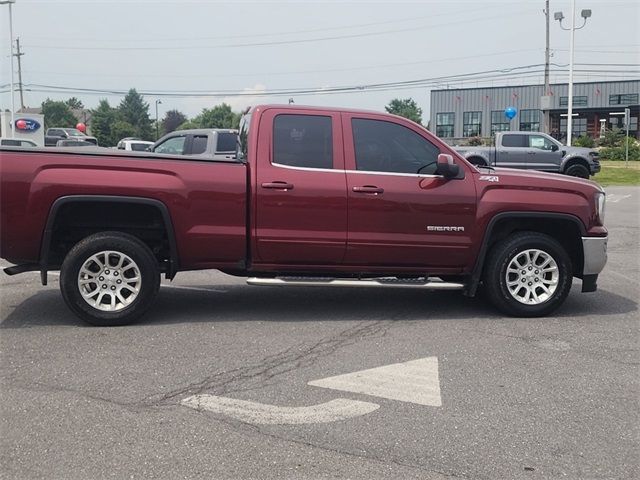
<point x="74" y="132"/>
<point x="140" y="147"/>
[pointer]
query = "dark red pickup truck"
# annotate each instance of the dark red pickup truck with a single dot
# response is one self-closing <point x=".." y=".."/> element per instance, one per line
<point x="316" y="196"/>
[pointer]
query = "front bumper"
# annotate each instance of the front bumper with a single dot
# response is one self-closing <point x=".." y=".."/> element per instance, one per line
<point x="595" y="258"/>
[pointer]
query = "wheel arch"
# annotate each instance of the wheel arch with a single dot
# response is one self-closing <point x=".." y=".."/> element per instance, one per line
<point x="575" y="161"/>
<point x="71" y="200"/>
<point x="506" y="223"/>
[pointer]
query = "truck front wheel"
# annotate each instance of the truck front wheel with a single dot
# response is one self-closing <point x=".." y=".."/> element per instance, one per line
<point x="577" y="170"/>
<point x="528" y="274"/>
<point x="109" y="279"/>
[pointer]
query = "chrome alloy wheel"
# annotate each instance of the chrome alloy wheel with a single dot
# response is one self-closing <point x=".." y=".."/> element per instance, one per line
<point x="532" y="277"/>
<point x="109" y="281"/>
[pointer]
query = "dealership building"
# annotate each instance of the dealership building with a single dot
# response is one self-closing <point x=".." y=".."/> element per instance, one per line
<point x="469" y="112"/>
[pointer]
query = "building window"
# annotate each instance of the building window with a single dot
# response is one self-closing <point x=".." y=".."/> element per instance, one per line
<point x="530" y="120"/>
<point x="499" y="123"/>
<point x="623" y="99"/>
<point x="444" y="124"/>
<point x="578" y="127"/>
<point x="580" y="101"/>
<point x="471" y="124"/>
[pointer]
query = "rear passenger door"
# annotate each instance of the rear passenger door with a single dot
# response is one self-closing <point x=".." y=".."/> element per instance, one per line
<point x="513" y="151"/>
<point x="300" y="190"/>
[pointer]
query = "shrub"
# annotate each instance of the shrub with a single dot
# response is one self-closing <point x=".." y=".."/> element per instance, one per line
<point x="619" y="154"/>
<point x="612" y="138"/>
<point x="475" y="141"/>
<point x="584" y="141"/>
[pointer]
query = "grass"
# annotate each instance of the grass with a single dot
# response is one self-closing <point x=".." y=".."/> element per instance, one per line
<point x="616" y="173"/>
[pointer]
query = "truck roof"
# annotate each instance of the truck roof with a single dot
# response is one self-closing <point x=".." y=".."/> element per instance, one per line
<point x="317" y="108"/>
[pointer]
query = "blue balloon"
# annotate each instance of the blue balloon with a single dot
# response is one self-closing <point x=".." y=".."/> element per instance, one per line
<point x="510" y="112"/>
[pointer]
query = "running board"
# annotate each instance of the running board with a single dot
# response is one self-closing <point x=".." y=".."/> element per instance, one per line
<point x="345" y="282"/>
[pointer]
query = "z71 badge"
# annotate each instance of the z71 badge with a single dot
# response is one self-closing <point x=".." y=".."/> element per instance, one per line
<point x="490" y="178"/>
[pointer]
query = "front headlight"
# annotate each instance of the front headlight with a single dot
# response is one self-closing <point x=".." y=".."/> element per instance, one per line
<point x="600" y="204"/>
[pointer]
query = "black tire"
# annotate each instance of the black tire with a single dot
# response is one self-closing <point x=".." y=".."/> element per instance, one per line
<point x="495" y="274"/>
<point x="577" y="170"/>
<point x="120" y="243"/>
<point x="477" y="161"/>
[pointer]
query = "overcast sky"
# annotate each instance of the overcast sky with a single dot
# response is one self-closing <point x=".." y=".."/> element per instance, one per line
<point x="217" y="46"/>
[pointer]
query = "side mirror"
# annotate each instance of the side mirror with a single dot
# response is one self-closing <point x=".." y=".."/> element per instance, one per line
<point x="446" y="167"/>
<point x="554" y="148"/>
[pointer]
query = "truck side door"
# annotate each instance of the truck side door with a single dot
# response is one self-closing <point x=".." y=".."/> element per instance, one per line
<point x="512" y="152"/>
<point x="546" y="154"/>
<point x="300" y="189"/>
<point x="401" y="213"/>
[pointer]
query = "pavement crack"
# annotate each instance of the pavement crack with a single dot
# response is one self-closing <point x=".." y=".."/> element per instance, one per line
<point x="254" y="376"/>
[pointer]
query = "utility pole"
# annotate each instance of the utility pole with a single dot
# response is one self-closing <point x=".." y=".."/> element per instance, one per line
<point x="18" y="54"/>
<point x="546" y="107"/>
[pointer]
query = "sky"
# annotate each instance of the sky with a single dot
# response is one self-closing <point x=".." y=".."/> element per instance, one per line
<point x="178" y="51"/>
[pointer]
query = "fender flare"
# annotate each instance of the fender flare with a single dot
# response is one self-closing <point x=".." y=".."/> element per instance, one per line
<point x="55" y="207"/>
<point x="476" y="273"/>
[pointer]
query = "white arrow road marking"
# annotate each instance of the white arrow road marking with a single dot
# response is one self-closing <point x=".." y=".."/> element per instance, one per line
<point x="261" y="414"/>
<point x="415" y="381"/>
<point x="615" y="197"/>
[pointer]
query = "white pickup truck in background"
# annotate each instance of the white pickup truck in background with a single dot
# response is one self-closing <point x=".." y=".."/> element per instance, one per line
<point x="208" y="143"/>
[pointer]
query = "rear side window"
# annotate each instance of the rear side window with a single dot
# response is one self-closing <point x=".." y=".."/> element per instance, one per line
<point x="198" y="144"/>
<point x="303" y="141"/>
<point x="514" y="141"/>
<point x="227" y="142"/>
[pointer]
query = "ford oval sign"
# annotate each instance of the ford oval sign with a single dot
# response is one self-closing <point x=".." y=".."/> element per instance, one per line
<point x="27" y="125"/>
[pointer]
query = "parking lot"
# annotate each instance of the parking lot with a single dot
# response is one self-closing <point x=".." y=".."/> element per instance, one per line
<point x="198" y="388"/>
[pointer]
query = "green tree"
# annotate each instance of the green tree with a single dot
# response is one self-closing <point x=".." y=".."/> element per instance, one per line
<point x="57" y="114"/>
<point x="135" y="111"/>
<point x="220" y="116"/>
<point x="172" y="120"/>
<point x="102" y="121"/>
<point x="75" y="104"/>
<point x="406" y="108"/>
<point x="121" y="129"/>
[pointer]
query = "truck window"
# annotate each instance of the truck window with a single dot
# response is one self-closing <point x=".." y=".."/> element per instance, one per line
<point x="173" y="145"/>
<point x="198" y="144"/>
<point x="303" y="141"/>
<point x="382" y="146"/>
<point x="514" y="141"/>
<point x="227" y="142"/>
<point x="538" y="141"/>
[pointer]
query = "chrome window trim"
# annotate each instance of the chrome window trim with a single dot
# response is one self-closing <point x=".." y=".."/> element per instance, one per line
<point x="336" y="170"/>
<point x="394" y="174"/>
<point x="308" y="169"/>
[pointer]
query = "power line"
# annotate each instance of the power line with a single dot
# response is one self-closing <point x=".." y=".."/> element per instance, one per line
<point x="262" y="44"/>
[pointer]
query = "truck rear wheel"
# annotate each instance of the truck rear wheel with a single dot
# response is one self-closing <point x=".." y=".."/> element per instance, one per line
<point x="528" y="274"/>
<point x="109" y="279"/>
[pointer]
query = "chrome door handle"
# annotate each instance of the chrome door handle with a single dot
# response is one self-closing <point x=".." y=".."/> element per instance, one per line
<point x="278" y="185"/>
<point x="371" y="189"/>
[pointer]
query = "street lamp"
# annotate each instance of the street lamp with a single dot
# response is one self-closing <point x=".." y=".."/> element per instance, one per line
<point x="13" y="105"/>
<point x="157" y="102"/>
<point x="559" y="16"/>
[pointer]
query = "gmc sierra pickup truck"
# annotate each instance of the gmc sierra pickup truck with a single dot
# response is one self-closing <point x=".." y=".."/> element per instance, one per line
<point x="314" y="196"/>
<point x="534" y="151"/>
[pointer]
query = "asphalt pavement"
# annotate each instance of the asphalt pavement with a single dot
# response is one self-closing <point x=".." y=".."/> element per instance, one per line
<point x="215" y="381"/>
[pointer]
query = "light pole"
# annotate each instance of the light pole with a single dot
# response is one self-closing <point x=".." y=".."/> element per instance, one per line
<point x="157" y="102"/>
<point x="13" y="105"/>
<point x="559" y="16"/>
